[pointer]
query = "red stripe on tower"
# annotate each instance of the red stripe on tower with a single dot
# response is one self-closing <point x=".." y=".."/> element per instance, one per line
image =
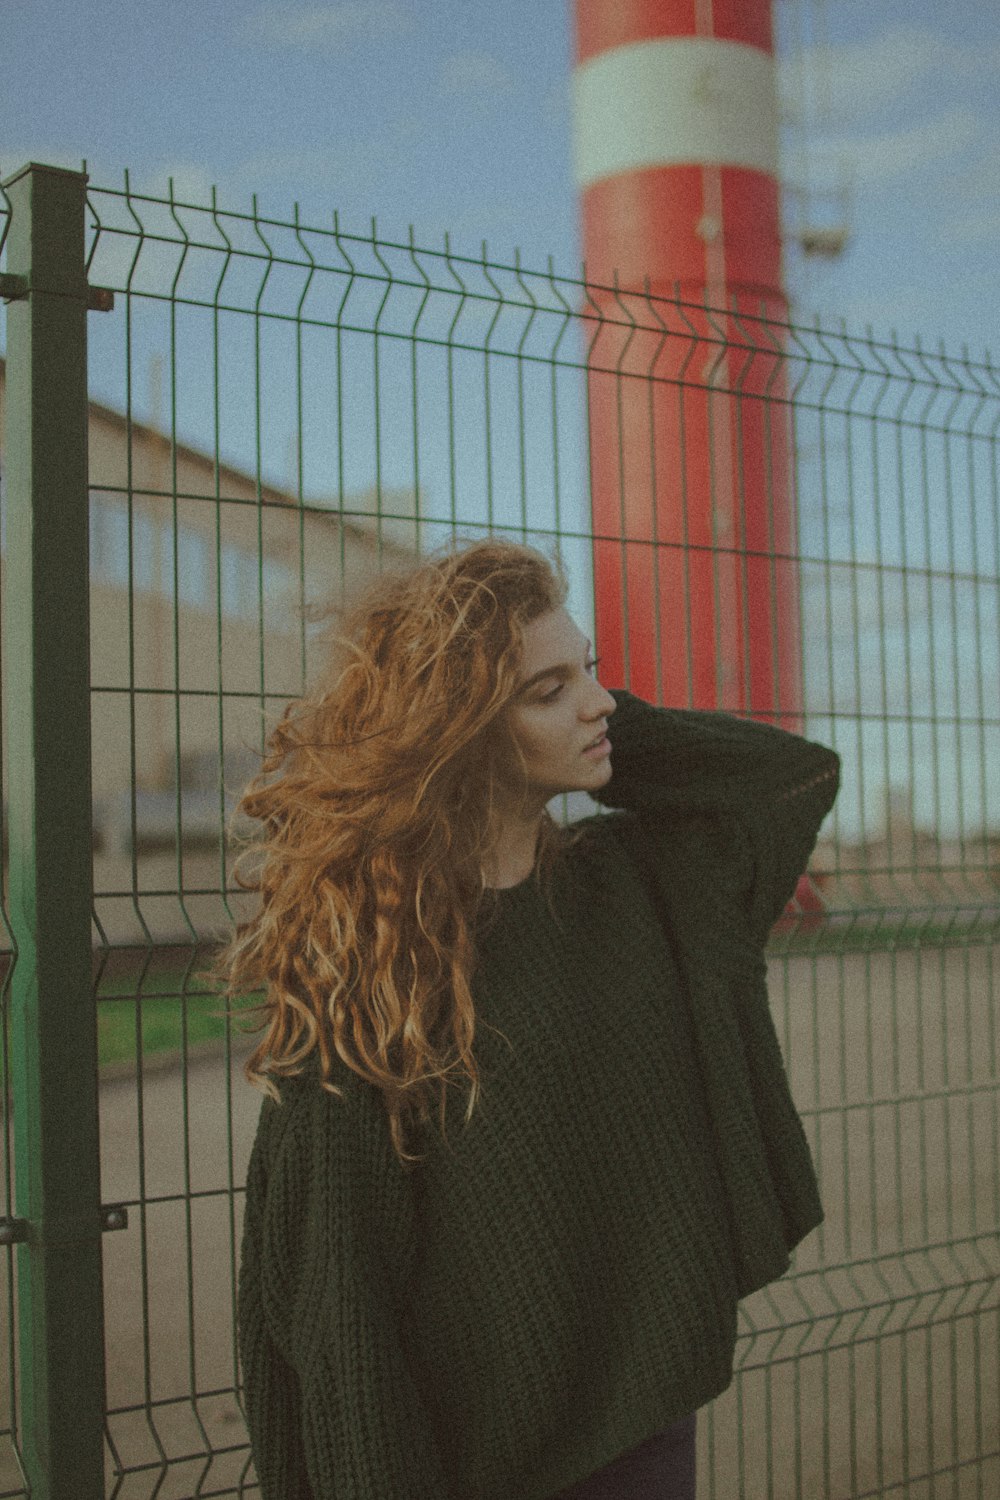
<point x="676" y="144"/>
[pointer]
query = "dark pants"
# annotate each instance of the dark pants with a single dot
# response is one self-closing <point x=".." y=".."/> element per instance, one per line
<point x="661" y="1468"/>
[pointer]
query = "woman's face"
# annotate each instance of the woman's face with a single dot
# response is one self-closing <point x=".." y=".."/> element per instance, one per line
<point x="560" y="709"/>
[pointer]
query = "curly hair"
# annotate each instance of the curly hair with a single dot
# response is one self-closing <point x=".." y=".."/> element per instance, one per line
<point x="377" y="828"/>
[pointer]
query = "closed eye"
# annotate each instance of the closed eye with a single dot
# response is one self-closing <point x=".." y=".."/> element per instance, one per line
<point x="551" y="697"/>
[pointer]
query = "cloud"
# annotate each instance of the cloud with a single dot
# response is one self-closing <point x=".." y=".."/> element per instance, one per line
<point x="557" y="102"/>
<point x="15" y="157"/>
<point x="330" y="28"/>
<point x="850" y="80"/>
<point x="970" y="230"/>
<point x="497" y="220"/>
<point x="364" y="159"/>
<point x="875" y="159"/>
<point x="978" y="183"/>
<point x="914" y="307"/>
<point x="474" y="77"/>
<point x="192" y="182"/>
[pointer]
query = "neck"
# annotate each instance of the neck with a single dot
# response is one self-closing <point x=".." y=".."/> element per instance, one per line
<point x="513" y="854"/>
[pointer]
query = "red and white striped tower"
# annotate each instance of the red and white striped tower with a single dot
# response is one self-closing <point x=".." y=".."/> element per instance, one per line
<point x="675" y="125"/>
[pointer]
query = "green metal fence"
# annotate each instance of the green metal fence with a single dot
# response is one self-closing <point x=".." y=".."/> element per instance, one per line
<point x="271" y="410"/>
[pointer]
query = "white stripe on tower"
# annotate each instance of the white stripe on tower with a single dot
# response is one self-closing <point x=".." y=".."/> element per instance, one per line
<point x="668" y="101"/>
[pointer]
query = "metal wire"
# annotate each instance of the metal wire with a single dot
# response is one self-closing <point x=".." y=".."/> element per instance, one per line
<point x="418" y="392"/>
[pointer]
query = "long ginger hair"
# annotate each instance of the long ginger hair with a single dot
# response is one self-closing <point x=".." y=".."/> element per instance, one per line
<point x="378" y="825"/>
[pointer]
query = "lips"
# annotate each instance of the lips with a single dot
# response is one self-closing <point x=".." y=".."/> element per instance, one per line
<point x="597" y="741"/>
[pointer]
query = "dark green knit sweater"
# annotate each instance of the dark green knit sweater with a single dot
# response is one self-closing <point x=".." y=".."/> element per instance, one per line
<point x="560" y="1281"/>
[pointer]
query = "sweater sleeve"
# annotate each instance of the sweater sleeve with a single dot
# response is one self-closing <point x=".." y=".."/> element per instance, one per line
<point x="271" y="1397"/>
<point x="764" y="791"/>
<point x="334" y="1409"/>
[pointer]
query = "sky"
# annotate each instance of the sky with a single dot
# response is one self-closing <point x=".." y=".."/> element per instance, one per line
<point x="454" y="115"/>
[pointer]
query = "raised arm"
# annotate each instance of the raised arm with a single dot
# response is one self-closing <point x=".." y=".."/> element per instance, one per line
<point x="765" y="790"/>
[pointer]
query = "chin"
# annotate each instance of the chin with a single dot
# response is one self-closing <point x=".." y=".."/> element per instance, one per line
<point x="596" y="776"/>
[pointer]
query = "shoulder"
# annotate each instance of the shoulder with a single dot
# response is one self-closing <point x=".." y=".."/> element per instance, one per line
<point x="707" y="835"/>
<point x="612" y="859"/>
<point x="303" y="1111"/>
<point x="598" y="839"/>
<point x="601" y="830"/>
<point x="279" y="1130"/>
<point x="681" y="864"/>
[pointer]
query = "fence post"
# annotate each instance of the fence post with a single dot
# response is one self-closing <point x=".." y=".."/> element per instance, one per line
<point x="53" y="1022"/>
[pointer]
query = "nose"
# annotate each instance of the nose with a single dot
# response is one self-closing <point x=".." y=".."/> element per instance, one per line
<point x="606" y="708"/>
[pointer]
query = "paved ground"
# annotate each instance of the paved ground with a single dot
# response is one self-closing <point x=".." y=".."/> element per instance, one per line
<point x="849" y="1417"/>
<point x="188" y="1332"/>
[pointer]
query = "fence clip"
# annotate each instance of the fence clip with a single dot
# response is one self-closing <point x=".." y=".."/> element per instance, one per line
<point x="15" y="1231"/>
<point x="16" y="288"/>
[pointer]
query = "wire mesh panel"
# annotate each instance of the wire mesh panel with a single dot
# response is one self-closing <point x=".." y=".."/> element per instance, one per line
<point x="280" y="409"/>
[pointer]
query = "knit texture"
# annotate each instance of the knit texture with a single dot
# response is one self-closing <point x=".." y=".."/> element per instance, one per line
<point x="559" y="1279"/>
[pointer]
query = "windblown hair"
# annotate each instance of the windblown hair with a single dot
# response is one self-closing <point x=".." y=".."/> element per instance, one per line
<point x="378" y="826"/>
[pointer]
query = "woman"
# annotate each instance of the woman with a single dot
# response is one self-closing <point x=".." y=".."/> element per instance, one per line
<point x="530" y="1296"/>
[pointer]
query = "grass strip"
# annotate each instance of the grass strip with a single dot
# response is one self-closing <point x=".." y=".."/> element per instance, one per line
<point x="159" y="1019"/>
